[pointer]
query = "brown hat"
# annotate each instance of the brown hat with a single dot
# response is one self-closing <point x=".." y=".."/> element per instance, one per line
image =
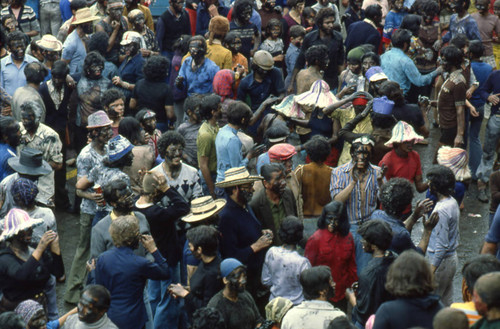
<point x="218" y="25"/>
<point x="84" y="15"/>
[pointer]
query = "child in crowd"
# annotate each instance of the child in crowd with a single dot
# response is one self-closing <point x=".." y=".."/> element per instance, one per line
<point x="297" y="34"/>
<point x="273" y="43"/>
<point x="9" y="23"/>
<point x="309" y="15"/>
<point x="232" y="41"/>
<point x="393" y="20"/>
<point x="147" y="119"/>
<point x="189" y="129"/>
<point x="180" y="48"/>
<point x="350" y="77"/>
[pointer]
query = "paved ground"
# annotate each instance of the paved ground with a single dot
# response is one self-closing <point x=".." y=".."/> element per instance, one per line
<point x="472" y="229"/>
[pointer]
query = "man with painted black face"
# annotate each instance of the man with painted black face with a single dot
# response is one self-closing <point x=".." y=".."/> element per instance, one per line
<point x="356" y="184"/>
<point x="324" y="35"/>
<point x="173" y="23"/>
<point x="353" y="13"/>
<point x="134" y="4"/>
<point x="275" y="201"/>
<point x="12" y="67"/>
<point x="197" y="72"/>
<point x="365" y="31"/>
<point x="243" y="236"/>
<point x="205" y="11"/>
<point x="39" y="136"/>
<point x="35" y="74"/>
<point x="92" y="308"/>
<point x="10" y="138"/>
<point x="234" y="303"/>
<point x="461" y="22"/>
<point x="315" y="312"/>
<point x="74" y="50"/>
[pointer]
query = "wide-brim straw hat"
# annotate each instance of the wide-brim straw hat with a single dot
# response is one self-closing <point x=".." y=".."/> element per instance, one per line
<point x="84" y="15"/>
<point x="50" y="43"/>
<point x="319" y="95"/>
<point x="403" y="132"/>
<point x="289" y="108"/>
<point x="456" y="159"/>
<point x="203" y="208"/>
<point x="237" y="176"/>
<point x="18" y="220"/>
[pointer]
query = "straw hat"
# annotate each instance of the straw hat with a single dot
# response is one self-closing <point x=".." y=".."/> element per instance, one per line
<point x="319" y="95"/>
<point x="237" y="176"/>
<point x="50" y="43"/>
<point x="98" y="119"/>
<point x="203" y="208"/>
<point x="456" y="159"/>
<point x="18" y="220"/>
<point x="84" y="15"/>
<point x="403" y="132"/>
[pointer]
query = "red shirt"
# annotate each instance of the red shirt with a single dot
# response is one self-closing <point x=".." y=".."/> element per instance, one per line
<point x="336" y="252"/>
<point x="409" y="167"/>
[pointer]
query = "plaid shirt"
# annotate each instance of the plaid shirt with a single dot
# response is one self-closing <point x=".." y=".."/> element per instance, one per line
<point x="341" y="178"/>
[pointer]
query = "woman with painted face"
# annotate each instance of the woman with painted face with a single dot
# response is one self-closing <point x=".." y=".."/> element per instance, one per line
<point x="333" y="245"/>
<point x="25" y="271"/>
<point x="248" y="31"/>
<point x="127" y="309"/>
<point x="150" y="47"/>
<point x="293" y="17"/>
<point x="34" y="316"/>
<point x="115" y="25"/>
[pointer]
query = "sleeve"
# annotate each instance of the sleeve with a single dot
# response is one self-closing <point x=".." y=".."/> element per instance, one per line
<point x="2" y="81"/>
<point x="493" y="235"/>
<point x="242" y="90"/>
<point x="157" y="270"/>
<point x="183" y="71"/>
<point x="495" y="187"/>
<point x="178" y="208"/>
<point x="278" y="82"/>
<point x="335" y="186"/>
<point x="414" y="75"/>
<point x="447" y="37"/>
<point x="160" y="32"/>
<point x="197" y="190"/>
<point x="97" y="245"/>
<point x="459" y="94"/>
<point x="68" y="51"/>
<point x="382" y="318"/>
<point x="54" y="146"/>
<point x="228" y="61"/>
<point x="21" y="272"/>
<point x="229" y="244"/>
<point x="234" y="151"/>
<point x="34" y="25"/>
<point x="487" y="87"/>
<point x="389" y="25"/>
<point x="54" y="263"/>
<point x="312" y="250"/>
<point x="473" y="30"/>
<point x="204" y="145"/>
<point x="210" y="288"/>
<point x="301" y="59"/>
<point x="266" y="270"/>
<point x="442" y="238"/>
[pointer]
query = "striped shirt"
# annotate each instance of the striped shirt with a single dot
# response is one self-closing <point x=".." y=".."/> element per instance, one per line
<point x="469" y="309"/>
<point x="341" y="178"/>
<point x="26" y="20"/>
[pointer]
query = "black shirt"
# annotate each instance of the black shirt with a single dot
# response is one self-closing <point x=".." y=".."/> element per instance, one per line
<point x="170" y="28"/>
<point x="154" y="96"/>
<point x="242" y="314"/>
<point x="409" y="113"/>
<point x="335" y="54"/>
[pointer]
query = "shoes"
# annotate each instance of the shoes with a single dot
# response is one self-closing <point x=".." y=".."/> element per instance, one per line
<point x="482" y="195"/>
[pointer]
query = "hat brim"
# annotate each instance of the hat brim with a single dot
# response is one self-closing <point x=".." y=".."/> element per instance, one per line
<point x="7" y="234"/>
<point x="100" y="126"/>
<point x="236" y="182"/>
<point x="86" y="20"/>
<point x="191" y="218"/>
<point x="59" y="46"/>
<point x="415" y="139"/>
<point x="44" y="169"/>
<point x="378" y="77"/>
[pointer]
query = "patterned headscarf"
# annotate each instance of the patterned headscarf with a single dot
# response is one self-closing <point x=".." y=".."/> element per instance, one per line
<point x="27" y="309"/>
<point x="24" y="191"/>
<point x="456" y="159"/>
<point x="223" y="84"/>
<point x="277" y="308"/>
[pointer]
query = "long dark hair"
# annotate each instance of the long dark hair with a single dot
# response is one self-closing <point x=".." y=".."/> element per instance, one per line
<point x="340" y="212"/>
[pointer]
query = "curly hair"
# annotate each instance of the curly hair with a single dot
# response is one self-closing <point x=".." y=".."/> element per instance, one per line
<point x="124" y="231"/>
<point x="453" y="55"/>
<point x="442" y="180"/>
<point x="208" y="318"/>
<point x="340" y="212"/>
<point x="92" y="58"/>
<point x="322" y="14"/>
<point x="377" y="232"/>
<point x="428" y="7"/>
<point x="237" y="111"/>
<point x="60" y="69"/>
<point x="273" y="22"/>
<point x="318" y="149"/>
<point x="15" y="36"/>
<point x="98" y="42"/>
<point x="193" y="102"/>
<point x="410" y="276"/>
<point x="291" y="230"/>
<point x="111" y="95"/>
<point x="240" y="5"/>
<point x="317" y="55"/>
<point x="395" y="196"/>
<point x="156" y="68"/>
<point x="167" y="139"/>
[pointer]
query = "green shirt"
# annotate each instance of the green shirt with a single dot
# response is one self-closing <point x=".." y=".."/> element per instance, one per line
<point x="278" y="213"/>
<point x="483" y="323"/>
<point x="206" y="145"/>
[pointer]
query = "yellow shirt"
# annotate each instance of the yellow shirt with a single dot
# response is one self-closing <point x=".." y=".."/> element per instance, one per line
<point x="220" y="55"/>
<point x="364" y="127"/>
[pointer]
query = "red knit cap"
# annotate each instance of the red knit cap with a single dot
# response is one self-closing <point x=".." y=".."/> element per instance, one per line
<point x="281" y="152"/>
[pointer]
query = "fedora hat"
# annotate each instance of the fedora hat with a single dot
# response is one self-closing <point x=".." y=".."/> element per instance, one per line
<point x="98" y="119"/>
<point x="203" y="208"/>
<point x="84" y="15"/>
<point x="237" y="176"/>
<point x="50" y="43"/>
<point x="30" y="162"/>
<point x="17" y="220"/>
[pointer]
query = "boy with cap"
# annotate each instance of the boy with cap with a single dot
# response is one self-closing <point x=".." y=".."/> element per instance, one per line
<point x="130" y="70"/>
<point x="91" y="156"/>
<point x="147" y="119"/>
<point x="237" y="306"/>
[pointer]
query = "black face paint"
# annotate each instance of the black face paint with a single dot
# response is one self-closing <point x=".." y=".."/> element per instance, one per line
<point x="17" y="49"/>
<point x="125" y="201"/>
<point x="245" y="196"/>
<point x="196" y="50"/>
<point x="237" y="281"/>
<point x="38" y="320"/>
<point x="30" y="122"/>
<point x="94" y="72"/>
<point x="87" y="28"/>
<point x="87" y="312"/>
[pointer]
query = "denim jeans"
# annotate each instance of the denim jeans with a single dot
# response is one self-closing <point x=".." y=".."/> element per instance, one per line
<point x="444" y="278"/>
<point x="475" y="149"/>
<point x="166" y="309"/>
<point x="362" y="257"/>
<point x="491" y="137"/>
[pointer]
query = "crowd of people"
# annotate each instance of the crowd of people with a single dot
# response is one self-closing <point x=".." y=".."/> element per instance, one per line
<point x="248" y="164"/>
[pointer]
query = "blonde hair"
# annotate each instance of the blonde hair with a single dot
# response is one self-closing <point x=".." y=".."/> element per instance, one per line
<point x="124" y="231"/>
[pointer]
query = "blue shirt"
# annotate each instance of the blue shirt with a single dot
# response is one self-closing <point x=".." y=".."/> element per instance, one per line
<point x="291" y="57"/>
<point x="65" y="10"/>
<point x="467" y="25"/>
<point x="493" y="235"/>
<point x="127" y="308"/>
<point x="228" y="148"/>
<point x="6" y="152"/>
<point x="12" y="77"/>
<point x="491" y="86"/>
<point x="130" y="69"/>
<point x="199" y="82"/>
<point x="401" y="238"/>
<point x="481" y="71"/>
<point x="74" y="51"/>
<point x="262" y="160"/>
<point x="400" y="68"/>
<point x="393" y="22"/>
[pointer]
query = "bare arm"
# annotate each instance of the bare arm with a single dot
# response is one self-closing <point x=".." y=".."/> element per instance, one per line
<point x="206" y="174"/>
<point x="489" y="248"/>
<point x="343" y="195"/>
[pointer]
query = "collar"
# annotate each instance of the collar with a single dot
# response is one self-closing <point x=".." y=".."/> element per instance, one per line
<point x="366" y="20"/>
<point x="10" y="61"/>
<point x="461" y="19"/>
<point x="115" y="216"/>
<point x="216" y="42"/>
